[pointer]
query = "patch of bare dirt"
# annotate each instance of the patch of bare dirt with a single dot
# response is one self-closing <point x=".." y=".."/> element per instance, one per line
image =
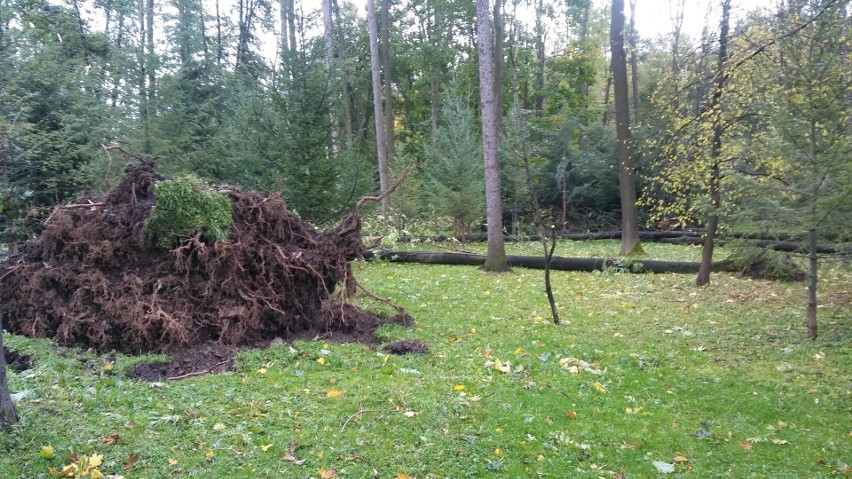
<point x="406" y="346"/>
<point x="17" y="361"/>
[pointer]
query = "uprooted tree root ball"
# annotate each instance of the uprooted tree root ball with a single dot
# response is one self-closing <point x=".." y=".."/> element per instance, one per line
<point x="91" y="280"/>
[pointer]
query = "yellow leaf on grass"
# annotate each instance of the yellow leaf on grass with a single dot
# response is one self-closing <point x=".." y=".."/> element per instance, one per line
<point x="218" y="427"/>
<point x="327" y="473"/>
<point x="321" y="360"/>
<point x="208" y="455"/>
<point x="173" y="462"/>
<point x="571" y="414"/>
<point x="679" y="459"/>
<point x="333" y="393"/>
<point x="499" y="366"/>
<point x="96" y="460"/>
<point x="600" y="388"/>
<point x="96" y="474"/>
<point x="262" y="370"/>
<point x="458" y="387"/>
<point x="266" y="447"/>
<point x="402" y="475"/>
<point x="46" y="452"/>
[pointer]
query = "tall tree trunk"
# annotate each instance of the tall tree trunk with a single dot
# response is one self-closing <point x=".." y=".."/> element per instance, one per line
<point x="435" y="100"/>
<point x="498" y="63"/>
<point x="539" y="47"/>
<point x="219" y="45"/>
<point x="496" y="256"/>
<point x="715" y="150"/>
<point x="677" y="25"/>
<point x="284" y="41"/>
<point x="388" y="83"/>
<point x="634" y="64"/>
<point x="626" y="171"/>
<point x="152" y="58"/>
<point x="606" y="95"/>
<point x="328" y="35"/>
<point x="8" y="416"/>
<point x="381" y="144"/>
<point x="291" y="21"/>
<point x="345" y="87"/>
<point x="144" y="104"/>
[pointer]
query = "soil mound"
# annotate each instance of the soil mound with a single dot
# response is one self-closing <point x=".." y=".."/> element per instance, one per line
<point x="89" y="280"/>
<point x="406" y="346"/>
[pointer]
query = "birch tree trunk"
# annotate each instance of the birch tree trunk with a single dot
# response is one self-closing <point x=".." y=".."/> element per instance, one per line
<point x="377" y="105"/>
<point x="634" y="64"/>
<point x="386" y="71"/>
<point x="328" y="35"/>
<point x="496" y="257"/>
<point x="626" y="172"/>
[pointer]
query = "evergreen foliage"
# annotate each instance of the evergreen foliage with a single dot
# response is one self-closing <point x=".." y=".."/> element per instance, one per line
<point x="185" y="207"/>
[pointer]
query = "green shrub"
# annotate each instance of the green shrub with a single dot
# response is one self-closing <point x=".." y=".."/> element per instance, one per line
<point x="760" y="263"/>
<point x="186" y="206"/>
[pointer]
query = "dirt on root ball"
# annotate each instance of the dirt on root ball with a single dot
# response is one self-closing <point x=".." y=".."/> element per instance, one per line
<point x="406" y="346"/>
<point x="91" y="281"/>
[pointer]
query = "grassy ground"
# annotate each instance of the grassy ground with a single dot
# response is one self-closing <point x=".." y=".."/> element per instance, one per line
<point x="646" y="375"/>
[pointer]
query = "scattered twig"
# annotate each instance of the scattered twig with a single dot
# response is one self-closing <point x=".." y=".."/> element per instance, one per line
<point x="126" y="153"/>
<point x="358" y="413"/>
<point x="199" y="373"/>
<point x="390" y="190"/>
<point x="375" y="296"/>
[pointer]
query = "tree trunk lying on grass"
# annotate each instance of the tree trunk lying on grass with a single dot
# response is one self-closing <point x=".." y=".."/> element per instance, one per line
<point x="786" y="246"/>
<point x="536" y="262"/>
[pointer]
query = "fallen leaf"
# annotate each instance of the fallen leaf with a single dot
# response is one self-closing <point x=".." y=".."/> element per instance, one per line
<point x="262" y="370"/>
<point x="131" y="460"/>
<point x="218" y="427"/>
<point x="746" y="445"/>
<point x="96" y="460"/>
<point x="779" y="441"/>
<point x="266" y="447"/>
<point x="409" y="413"/>
<point x="110" y="438"/>
<point x="172" y="462"/>
<point x="321" y="360"/>
<point x="664" y="467"/>
<point x="327" y="473"/>
<point x="208" y="455"/>
<point x="46" y="452"/>
<point x="679" y="459"/>
<point x="571" y="414"/>
<point x="333" y="393"/>
<point x="600" y="388"/>
<point x="454" y="339"/>
<point x="402" y="475"/>
<point x="458" y="387"/>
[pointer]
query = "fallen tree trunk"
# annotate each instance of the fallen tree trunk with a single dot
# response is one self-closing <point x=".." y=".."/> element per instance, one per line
<point x="786" y="246"/>
<point x="537" y="262"/>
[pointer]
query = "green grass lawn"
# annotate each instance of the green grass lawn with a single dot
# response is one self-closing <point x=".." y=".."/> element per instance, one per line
<point x="647" y="374"/>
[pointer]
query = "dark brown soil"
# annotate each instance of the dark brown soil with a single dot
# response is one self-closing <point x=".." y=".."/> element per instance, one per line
<point x="406" y="346"/>
<point x="90" y="281"/>
<point x="17" y="361"/>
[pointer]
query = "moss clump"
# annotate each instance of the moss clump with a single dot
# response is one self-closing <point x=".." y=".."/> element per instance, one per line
<point x="185" y="207"/>
<point x="758" y="263"/>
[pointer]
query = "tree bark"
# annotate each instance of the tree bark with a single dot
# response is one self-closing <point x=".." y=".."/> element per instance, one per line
<point x="8" y="416"/>
<point x="388" y="82"/>
<point x="328" y="36"/>
<point x="606" y="96"/>
<point x="498" y="64"/>
<point x="626" y="172"/>
<point x="634" y="65"/>
<point x="381" y="144"/>
<point x="703" y="277"/>
<point x="291" y="20"/>
<point x="539" y="46"/>
<point x="496" y="257"/>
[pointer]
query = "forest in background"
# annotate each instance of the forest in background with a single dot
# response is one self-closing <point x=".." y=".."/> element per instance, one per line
<point x="755" y="133"/>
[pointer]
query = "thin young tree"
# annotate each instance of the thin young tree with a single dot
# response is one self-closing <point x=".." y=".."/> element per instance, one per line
<point x="626" y="171"/>
<point x="715" y="107"/>
<point x="381" y="144"/>
<point x="496" y="257"/>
